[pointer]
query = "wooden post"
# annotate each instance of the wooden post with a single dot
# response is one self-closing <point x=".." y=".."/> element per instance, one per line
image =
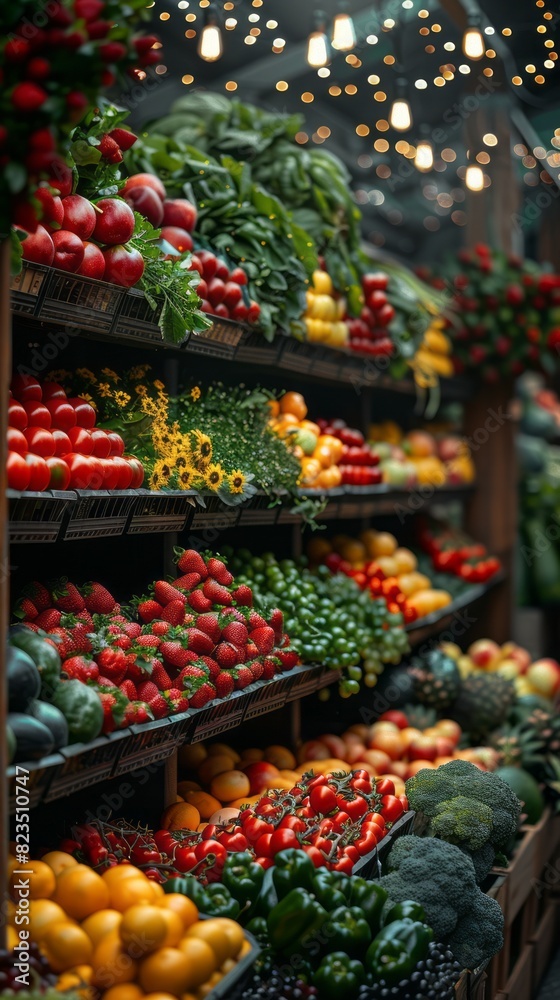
<point x="5" y="374"/>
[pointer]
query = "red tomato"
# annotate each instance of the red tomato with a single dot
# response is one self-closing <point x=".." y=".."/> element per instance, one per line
<point x="25" y="388"/>
<point x="81" y="472"/>
<point x="392" y="808"/>
<point x="117" y="443"/>
<point x="340" y="819"/>
<point x="63" y="444"/>
<point x="124" y="471"/>
<point x="259" y="773"/>
<point x="17" y="441"/>
<point x="265" y="862"/>
<point x="110" y="473"/>
<point x="253" y="828"/>
<point x="185" y="859"/>
<point x="101" y="443"/>
<point x="356" y="807"/>
<point x="17" y="417"/>
<point x="62" y="413"/>
<point x="80" y="440"/>
<point x="294" y="823"/>
<point x="384" y="786"/>
<point x="211" y="851"/>
<point x="352" y="852"/>
<point x="322" y="799"/>
<point x="404" y="801"/>
<point x="137" y="471"/>
<point x="60" y="474"/>
<point x="85" y="414"/>
<point x="283" y="840"/>
<point x="254" y="312"/>
<point x="18" y="471"/>
<point x="40" y="441"/>
<point x="238" y="275"/>
<point x="393" y="715"/>
<point x="262" y="846"/>
<point x="52" y="390"/>
<point x="39" y="474"/>
<point x="366" y="842"/>
<point x="97" y="481"/>
<point x="315" y="855"/>
<point x="377" y="819"/>
<point x="344" y="864"/>
<point x="37" y="414"/>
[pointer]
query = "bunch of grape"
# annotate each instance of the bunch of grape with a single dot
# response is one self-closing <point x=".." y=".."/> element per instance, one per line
<point x="433" y="978"/>
<point x="280" y="987"/>
<point x="41" y="975"/>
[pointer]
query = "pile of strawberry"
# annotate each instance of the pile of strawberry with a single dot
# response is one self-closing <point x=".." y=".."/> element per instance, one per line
<point x="195" y="640"/>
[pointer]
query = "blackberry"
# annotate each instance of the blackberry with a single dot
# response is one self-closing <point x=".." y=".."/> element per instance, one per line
<point x="433" y="978"/>
<point x="279" y="987"/>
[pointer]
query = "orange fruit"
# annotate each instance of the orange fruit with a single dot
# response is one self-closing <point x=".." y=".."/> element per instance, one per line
<point x="201" y="958"/>
<point x="175" y="928"/>
<point x="252" y="753"/>
<point x="143" y="929"/>
<point x="59" y="860"/>
<point x="214" y="933"/>
<point x="66" y="945"/>
<point x="130" y="892"/>
<point x="280" y="756"/>
<point x="191" y="756"/>
<point x="222" y="748"/>
<point x="188" y="786"/>
<point x="184" y="907"/>
<point x="274" y="407"/>
<point x="124" y="991"/>
<point x="111" y="964"/>
<point x="101" y="923"/>
<point x="43" y="914"/>
<point x="80" y="892"/>
<point x="230" y="785"/>
<point x="12" y="938"/>
<point x="180" y="816"/>
<point x="204" y="802"/>
<point x="42" y="880"/>
<point x="167" y="969"/>
<point x="120" y="872"/>
<point x="214" y="765"/>
<point x="84" y="972"/>
<point x="293" y="402"/>
<point x="234" y="934"/>
<point x="158" y="996"/>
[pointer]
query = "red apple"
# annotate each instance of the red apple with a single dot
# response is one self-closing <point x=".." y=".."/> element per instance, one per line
<point x="147" y="202"/>
<point x="37" y="414"/>
<point x="511" y="651"/>
<point x="93" y="264"/>
<point x="239" y="312"/>
<point x="205" y="307"/>
<point x="68" y="250"/>
<point x="61" y="176"/>
<point x="444" y="746"/>
<point x="114" y="223"/>
<point x="222" y="271"/>
<point x="398" y="718"/>
<point x="195" y="264"/>
<point x="221" y="310"/>
<point x="232" y="294"/>
<point x="422" y="748"/>
<point x="179" y="212"/>
<point x="209" y="264"/>
<point x="63" y="445"/>
<point x="334" y="744"/>
<point x="52" y="390"/>
<point x="216" y="291"/>
<point x="254" y="312"/>
<point x="484" y="653"/>
<point x="544" y="677"/>
<point x="25" y="388"/>
<point x="17" y="417"/>
<point x="145" y="180"/>
<point x="48" y="212"/>
<point x="101" y="443"/>
<point x="38" y="247"/>
<point x="238" y="275"/>
<point x="79" y="216"/>
<point x="123" y="266"/>
<point x="260" y="773"/>
<point x="62" y="412"/>
<point x="85" y="413"/>
<point x="450" y="448"/>
<point x="373" y="282"/>
<point x="450" y="729"/>
<point x="178" y="238"/>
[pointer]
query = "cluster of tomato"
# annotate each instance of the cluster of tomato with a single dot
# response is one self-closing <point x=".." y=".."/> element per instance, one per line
<point x="358" y="462"/>
<point x="369" y="333"/>
<point x="53" y="443"/>
<point x="470" y="562"/>
<point x="372" y="578"/>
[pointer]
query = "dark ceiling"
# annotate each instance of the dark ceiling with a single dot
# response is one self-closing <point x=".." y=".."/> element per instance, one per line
<point x="404" y="210"/>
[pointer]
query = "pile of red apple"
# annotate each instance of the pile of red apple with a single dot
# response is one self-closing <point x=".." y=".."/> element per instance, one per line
<point x="220" y="289"/>
<point x="358" y="463"/>
<point x="53" y="443"/>
<point x="368" y="332"/>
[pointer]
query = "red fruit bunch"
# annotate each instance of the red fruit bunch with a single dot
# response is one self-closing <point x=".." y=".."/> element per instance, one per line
<point x="369" y="332"/>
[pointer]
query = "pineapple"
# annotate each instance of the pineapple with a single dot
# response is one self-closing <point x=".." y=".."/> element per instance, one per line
<point x="436" y="680"/>
<point x="419" y="716"/>
<point x="482" y="705"/>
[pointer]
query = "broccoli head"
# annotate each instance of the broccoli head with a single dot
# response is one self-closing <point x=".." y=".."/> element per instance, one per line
<point x="482" y="859"/>
<point x="434" y="873"/>
<point x="479" y="933"/>
<point x="463" y="820"/>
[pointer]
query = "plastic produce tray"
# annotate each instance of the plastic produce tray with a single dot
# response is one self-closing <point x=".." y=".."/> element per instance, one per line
<point x="137" y="320"/>
<point x="170" y="510"/>
<point x="38" y="517"/>
<point x="85" y="764"/>
<point x="370" y="865"/>
<point x="253" y="349"/>
<point x="99" y="514"/>
<point x="268" y="697"/>
<point x="233" y="985"/>
<point x="217" y="716"/>
<point x="80" y="302"/>
<point x="152" y="742"/>
<point x="220" y="341"/>
<point x="27" y="289"/>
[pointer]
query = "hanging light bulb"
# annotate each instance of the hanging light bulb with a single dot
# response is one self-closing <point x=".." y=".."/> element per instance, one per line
<point x="474" y="178"/>
<point x="210" y="47"/>
<point x="400" y="117"/>
<point x="317" y="43"/>
<point x="343" y="36"/>
<point x="424" y="157"/>
<point x="473" y="41"/>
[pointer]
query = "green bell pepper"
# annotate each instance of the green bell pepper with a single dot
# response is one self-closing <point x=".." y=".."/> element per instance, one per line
<point x="213" y="900"/>
<point x="347" y="930"/>
<point x="339" y="977"/>
<point x="266" y="899"/>
<point x="242" y="877"/>
<point x="293" y="920"/>
<point x="370" y="898"/>
<point x="399" y="911"/>
<point x="326" y="889"/>
<point x="258" y="928"/>
<point x="397" y="949"/>
<point x="293" y="869"/>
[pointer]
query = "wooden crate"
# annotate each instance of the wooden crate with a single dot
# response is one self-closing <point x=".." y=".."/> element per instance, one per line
<point x="520" y="983"/>
<point x="544" y="941"/>
<point x="525" y="865"/>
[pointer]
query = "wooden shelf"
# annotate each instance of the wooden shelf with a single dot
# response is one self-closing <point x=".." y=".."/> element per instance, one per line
<point x="424" y="628"/>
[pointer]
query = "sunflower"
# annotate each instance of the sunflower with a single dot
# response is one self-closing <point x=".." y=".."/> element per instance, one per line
<point x="236" y="481"/>
<point x="202" y="451"/>
<point x="109" y="373"/>
<point x="158" y="385"/>
<point x="104" y="390"/>
<point x="141" y="390"/>
<point x="161" y="474"/>
<point x="214" y="476"/>
<point x="195" y="393"/>
<point x="138" y="372"/>
<point x="186" y="477"/>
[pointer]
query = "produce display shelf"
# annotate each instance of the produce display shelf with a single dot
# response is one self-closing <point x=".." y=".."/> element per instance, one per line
<point x="127" y="750"/>
<point x="423" y="628"/>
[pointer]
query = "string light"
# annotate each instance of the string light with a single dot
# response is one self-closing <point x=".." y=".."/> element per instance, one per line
<point x="400" y="117"/>
<point x="473" y="42"/>
<point x="317" y="44"/>
<point x="424" y="157"/>
<point x="344" y="35"/>
<point x="210" y="47"/>
<point x="474" y="178"/>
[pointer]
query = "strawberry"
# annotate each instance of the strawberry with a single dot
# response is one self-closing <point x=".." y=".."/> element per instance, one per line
<point x="263" y="639"/>
<point x="98" y="599"/>
<point x="198" y="641"/>
<point x="67" y="597"/>
<point x="177" y="700"/>
<point x="174" y="654"/>
<point x="215" y="592"/>
<point x="148" y="610"/>
<point x="128" y="688"/>
<point x="190" y="619"/>
<point x="150" y="641"/>
<point x="219" y="571"/>
<point x="112" y="663"/>
<point x="165" y="593"/>
<point x="243" y="677"/>
<point x="187" y="582"/>
<point x="137" y="712"/>
<point x="25" y="609"/>
<point x="285" y="640"/>
<point x="231" y="614"/>
<point x="160" y="677"/>
<point x="147" y="690"/>
<point x="243" y="595"/>
<point x="257" y="669"/>
<point x="105" y="682"/>
<point x="114" y="705"/>
<point x="251" y="651"/>
<point x="224" y="684"/>
<point x="190" y="675"/>
<point x="227" y="655"/>
<point x="271" y="666"/>
<point x="213" y="667"/>
<point x="122" y="642"/>
<point x="85" y="618"/>
<point x="190" y="561"/>
<point x="174" y="612"/>
<point x="276" y="622"/>
<point x="139" y="667"/>
<point x="236" y="633"/>
<point x="132" y="629"/>
<point x="159" y="706"/>
<point x="35" y="628"/>
<point x="205" y="693"/>
<point x="39" y="594"/>
<point x="80" y="668"/>
<point x="50" y="618"/>
<point x="160" y="628"/>
<point x="288" y="658"/>
<point x="255" y="620"/>
<point x="199" y="602"/>
<point x="210" y="625"/>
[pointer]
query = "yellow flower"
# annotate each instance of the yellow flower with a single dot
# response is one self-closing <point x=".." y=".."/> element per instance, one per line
<point x="85" y="373"/>
<point x="149" y="406"/>
<point x="236" y="481"/>
<point x="186" y="477"/>
<point x="161" y="474"/>
<point x="158" y="385"/>
<point x="138" y="371"/>
<point x="202" y="451"/>
<point x="195" y="393"/>
<point x="104" y="390"/>
<point x="214" y="476"/>
<point x="110" y="374"/>
<point x="57" y="376"/>
<point x="141" y="390"/>
<point x="86" y="396"/>
<point x="122" y="398"/>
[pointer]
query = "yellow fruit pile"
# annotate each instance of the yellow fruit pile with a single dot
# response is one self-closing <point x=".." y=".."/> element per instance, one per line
<point x="118" y="936"/>
<point x="318" y="453"/>
<point x="437" y="460"/>
<point x="323" y="315"/>
<point x="433" y="357"/>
